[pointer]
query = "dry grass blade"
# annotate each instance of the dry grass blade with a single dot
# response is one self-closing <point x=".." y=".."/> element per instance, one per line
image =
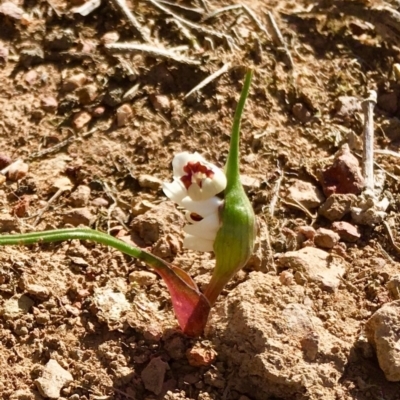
<point x="132" y="19"/>
<point x="255" y="19"/>
<point x="190" y="24"/>
<point x="151" y="50"/>
<point x="391" y="238"/>
<point x="222" y="10"/>
<point x="278" y="39"/>
<point x="209" y="79"/>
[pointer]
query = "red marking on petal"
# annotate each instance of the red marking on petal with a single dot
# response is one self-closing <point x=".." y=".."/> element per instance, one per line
<point x="195" y="172"/>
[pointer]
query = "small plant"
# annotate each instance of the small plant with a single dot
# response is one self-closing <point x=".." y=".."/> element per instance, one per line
<point x="225" y="225"/>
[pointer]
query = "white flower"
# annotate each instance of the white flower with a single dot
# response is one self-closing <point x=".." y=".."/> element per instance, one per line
<point x="195" y="184"/>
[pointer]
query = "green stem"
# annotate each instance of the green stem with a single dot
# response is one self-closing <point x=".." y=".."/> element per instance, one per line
<point x="232" y="164"/>
<point x="60" y="235"/>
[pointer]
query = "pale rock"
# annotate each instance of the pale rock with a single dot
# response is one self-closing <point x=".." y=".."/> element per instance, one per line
<point x="143" y="278"/>
<point x="153" y="375"/>
<point x="305" y="193"/>
<point x="110" y="37"/>
<point x="249" y="182"/>
<point x="15" y="306"/>
<point x="17" y="171"/>
<point x="81" y="119"/>
<point x="62" y="183"/>
<point x="347" y="106"/>
<point x="382" y="331"/>
<point x="124" y="114"/>
<point x="149" y="182"/>
<point x="268" y="338"/>
<point x="78" y="216"/>
<point x="74" y="81"/>
<point x="81" y="196"/>
<point x="346" y="231"/>
<point x="11" y="10"/>
<point x="160" y="102"/>
<point x="53" y="379"/>
<point x="326" y="238"/>
<point x="36" y="290"/>
<point x="49" y="103"/>
<point x="199" y="356"/>
<point x="337" y="206"/>
<point x="317" y="265"/>
<point x="8" y="223"/>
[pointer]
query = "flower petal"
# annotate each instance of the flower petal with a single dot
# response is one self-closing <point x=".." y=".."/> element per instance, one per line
<point x="214" y="185"/>
<point x="203" y="208"/>
<point x="175" y="191"/>
<point x="181" y="159"/>
<point x="198" y="244"/>
<point x="206" y="228"/>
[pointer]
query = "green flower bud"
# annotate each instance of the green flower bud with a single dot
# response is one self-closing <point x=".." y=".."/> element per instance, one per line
<point x="235" y="238"/>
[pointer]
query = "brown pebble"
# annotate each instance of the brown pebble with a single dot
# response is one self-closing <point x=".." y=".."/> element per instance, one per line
<point x="301" y="113"/>
<point x="388" y="102"/>
<point x="81" y="196"/>
<point x="326" y="238"/>
<point x="81" y="119"/>
<point x="87" y="94"/>
<point x="160" y="102"/>
<point x="17" y="171"/>
<point x="75" y="81"/>
<point x="149" y="182"/>
<point x="4" y="161"/>
<point x="124" y="113"/>
<point x="100" y="202"/>
<point x="31" y="77"/>
<point x="200" y="356"/>
<point x="49" y="103"/>
<point x="78" y="216"/>
<point x="98" y="111"/>
<point x="346" y="231"/>
<point x="110" y="37"/>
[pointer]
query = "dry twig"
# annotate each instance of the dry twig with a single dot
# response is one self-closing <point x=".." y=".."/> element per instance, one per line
<point x="368" y="141"/>
<point x="209" y="79"/>
<point x="190" y="24"/>
<point x="151" y="50"/>
<point x="278" y="39"/>
<point x="49" y="203"/>
<point x="132" y="19"/>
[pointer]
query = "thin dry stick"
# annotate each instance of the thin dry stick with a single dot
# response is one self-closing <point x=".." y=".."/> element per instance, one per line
<point x="222" y="10"/>
<point x="205" y="5"/>
<point x="275" y="191"/>
<point x="391" y="238"/>
<point x="190" y="24"/>
<point x="187" y="34"/>
<point x="132" y="19"/>
<point x="49" y="203"/>
<point x="368" y="141"/>
<point x="278" y="39"/>
<point x="209" y="79"/>
<point x="152" y="50"/>
<point x="388" y="153"/>
<point x="255" y="19"/>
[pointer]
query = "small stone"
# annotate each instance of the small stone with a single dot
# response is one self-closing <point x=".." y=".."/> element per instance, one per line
<point x="4" y="161"/>
<point x="301" y="113"/>
<point x="160" y="102"/>
<point x="78" y="216"/>
<point x="8" y="223"/>
<point x="62" y="183"/>
<point x="110" y="37"/>
<point x="42" y="318"/>
<point x="74" y="81"/>
<point x="308" y="231"/>
<point x="388" y="102"/>
<point x="199" y="356"/>
<point x="309" y="344"/>
<point x="393" y="286"/>
<point x="337" y="206"/>
<point x="344" y="175"/>
<point x="31" y="77"/>
<point x="81" y="196"/>
<point x="153" y="375"/>
<point x="81" y="119"/>
<point x="15" y="306"/>
<point x="98" y="111"/>
<point x="53" y="379"/>
<point x="143" y="278"/>
<point x="346" y="231"/>
<point x="326" y="238"/>
<point x="305" y="193"/>
<point x="87" y="94"/>
<point x="100" y="202"/>
<point x="49" y="103"/>
<point x="122" y="374"/>
<point x="17" y="171"/>
<point x="382" y="332"/>
<point x="36" y="290"/>
<point x="317" y="266"/>
<point x="175" y="347"/>
<point x="149" y="182"/>
<point x="286" y="278"/>
<point x="347" y="106"/>
<point x="2" y="179"/>
<point x="11" y="10"/>
<point x="124" y="114"/>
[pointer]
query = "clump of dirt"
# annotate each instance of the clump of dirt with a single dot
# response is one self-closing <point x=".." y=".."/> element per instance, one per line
<point x="89" y="126"/>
